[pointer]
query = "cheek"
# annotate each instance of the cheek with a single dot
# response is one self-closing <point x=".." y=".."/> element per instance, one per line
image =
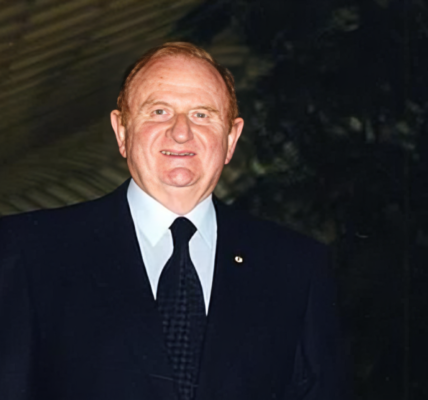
<point x="136" y="151"/>
<point x="215" y="140"/>
<point x="140" y="141"/>
<point x="217" y="148"/>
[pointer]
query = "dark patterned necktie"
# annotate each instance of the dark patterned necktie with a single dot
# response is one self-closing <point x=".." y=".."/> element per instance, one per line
<point x="181" y="305"/>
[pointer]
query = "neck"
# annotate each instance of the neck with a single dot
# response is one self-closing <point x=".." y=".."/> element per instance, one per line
<point x="179" y="200"/>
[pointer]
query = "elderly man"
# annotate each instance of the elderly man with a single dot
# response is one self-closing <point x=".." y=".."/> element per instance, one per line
<point x="158" y="290"/>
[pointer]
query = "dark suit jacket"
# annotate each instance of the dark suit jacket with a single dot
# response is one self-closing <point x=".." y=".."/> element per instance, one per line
<point x="78" y="320"/>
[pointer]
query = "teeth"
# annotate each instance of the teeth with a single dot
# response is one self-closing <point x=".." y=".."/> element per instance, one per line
<point x="169" y="153"/>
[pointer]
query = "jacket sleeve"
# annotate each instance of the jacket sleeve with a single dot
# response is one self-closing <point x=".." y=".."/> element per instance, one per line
<point x="320" y="371"/>
<point x="16" y="323"/>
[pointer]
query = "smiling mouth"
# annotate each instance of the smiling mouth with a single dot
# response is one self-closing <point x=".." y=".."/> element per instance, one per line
<point x="170" y="153"/>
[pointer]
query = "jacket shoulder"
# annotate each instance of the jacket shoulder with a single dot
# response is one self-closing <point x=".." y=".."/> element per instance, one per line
<point x="271" y="233"/>
<point x="60" y="224"/>
<point x="52" y="219"/>
<point x="277" y="248"/>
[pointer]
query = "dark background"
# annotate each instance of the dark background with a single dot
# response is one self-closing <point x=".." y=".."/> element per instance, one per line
<point x="334" y="95"/>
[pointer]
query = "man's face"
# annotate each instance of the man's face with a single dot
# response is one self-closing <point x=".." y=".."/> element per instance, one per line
<point x="177" y="137"/>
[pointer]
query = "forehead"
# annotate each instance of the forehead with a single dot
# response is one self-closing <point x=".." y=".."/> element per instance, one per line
<point x="178" y="74"/>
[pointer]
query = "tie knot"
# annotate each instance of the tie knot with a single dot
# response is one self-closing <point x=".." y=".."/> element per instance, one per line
<point x="182" y="231"/>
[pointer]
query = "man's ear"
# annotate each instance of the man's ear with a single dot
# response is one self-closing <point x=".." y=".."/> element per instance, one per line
<point x="119" y="130"/>
<point x="232" y="139"/>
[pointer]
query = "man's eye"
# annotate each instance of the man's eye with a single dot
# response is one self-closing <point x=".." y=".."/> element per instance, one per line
<point x="201" y="115"/>
<point x="159" y="112"/>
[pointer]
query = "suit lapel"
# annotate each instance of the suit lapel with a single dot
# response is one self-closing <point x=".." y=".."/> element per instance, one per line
<point x="223" y="325"/>
<point x="123" y="278"/>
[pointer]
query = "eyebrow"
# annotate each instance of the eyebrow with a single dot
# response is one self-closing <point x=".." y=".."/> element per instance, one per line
<point x="153" y="103"/>
<point x="208" y="108"/>
<point x="164" y="103"/>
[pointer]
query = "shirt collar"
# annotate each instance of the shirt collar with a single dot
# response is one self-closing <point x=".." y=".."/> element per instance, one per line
<point x="153" y="219"/>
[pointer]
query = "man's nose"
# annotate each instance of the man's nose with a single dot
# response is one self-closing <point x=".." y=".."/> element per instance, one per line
<point x="181" y="131"/>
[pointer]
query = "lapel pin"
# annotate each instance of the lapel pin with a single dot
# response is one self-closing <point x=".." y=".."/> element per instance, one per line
<point x="239" y="260"/>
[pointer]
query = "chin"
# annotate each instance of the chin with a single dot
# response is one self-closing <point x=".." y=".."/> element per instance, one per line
<point x="180" y="177"/>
